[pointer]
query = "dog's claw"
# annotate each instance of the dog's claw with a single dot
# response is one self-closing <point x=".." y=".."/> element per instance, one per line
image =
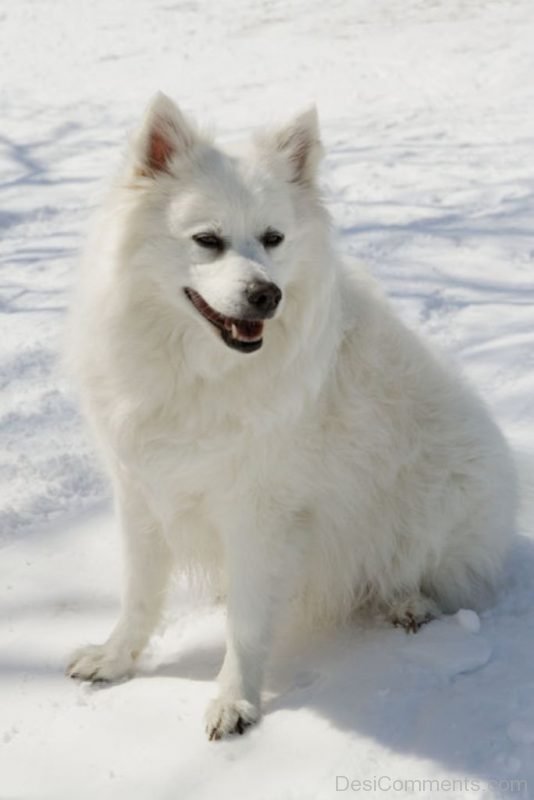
<point x="411" y="623"/>
<point x="240" y="727"/>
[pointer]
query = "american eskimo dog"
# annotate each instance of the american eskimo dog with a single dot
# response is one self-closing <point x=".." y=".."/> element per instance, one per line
<point x="266" y="418"/>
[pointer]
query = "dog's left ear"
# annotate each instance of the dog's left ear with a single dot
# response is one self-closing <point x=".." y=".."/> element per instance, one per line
<point x="164" y="135"/>
<point x="296" y="147"/>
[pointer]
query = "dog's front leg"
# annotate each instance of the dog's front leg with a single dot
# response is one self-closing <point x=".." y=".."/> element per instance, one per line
<point x="257" y="569"/>
<point x="148" y="564"/>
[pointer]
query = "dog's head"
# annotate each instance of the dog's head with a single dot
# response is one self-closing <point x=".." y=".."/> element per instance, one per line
<point x="219" y="234"/>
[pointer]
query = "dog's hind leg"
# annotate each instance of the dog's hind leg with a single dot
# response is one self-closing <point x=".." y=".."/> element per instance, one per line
<point x="148" y="564"/>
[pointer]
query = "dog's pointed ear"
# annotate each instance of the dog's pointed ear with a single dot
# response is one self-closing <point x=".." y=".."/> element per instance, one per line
<point x="164" y="134"/>
<point x="296" y="147"/>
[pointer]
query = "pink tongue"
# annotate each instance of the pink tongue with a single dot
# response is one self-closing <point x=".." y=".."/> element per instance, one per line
<point x="247" y="331"/>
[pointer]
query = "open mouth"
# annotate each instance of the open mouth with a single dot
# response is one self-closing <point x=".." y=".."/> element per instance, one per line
<point x="244" y="335"/>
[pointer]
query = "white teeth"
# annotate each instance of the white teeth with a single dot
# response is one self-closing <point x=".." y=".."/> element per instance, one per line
<point x="243" y="336"/>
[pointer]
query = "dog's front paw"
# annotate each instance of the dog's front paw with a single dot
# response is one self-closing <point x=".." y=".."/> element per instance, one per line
<point x="225" y="717"/>
<point x="99" y="663"/>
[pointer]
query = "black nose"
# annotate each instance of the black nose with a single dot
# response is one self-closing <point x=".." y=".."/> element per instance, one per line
<point x="263" y="297"/>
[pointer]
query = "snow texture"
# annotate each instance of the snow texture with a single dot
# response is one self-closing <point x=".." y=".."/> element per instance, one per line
<point x="427" y="111"/>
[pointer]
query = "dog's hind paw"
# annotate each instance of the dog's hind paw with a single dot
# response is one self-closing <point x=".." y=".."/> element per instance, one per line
<point x="98" y="664"/>
<point x="225" y="717"/>
<point x="413" y="612"/>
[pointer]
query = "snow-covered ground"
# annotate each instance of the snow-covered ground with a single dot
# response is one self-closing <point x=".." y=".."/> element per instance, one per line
<point x="427" y="109"/>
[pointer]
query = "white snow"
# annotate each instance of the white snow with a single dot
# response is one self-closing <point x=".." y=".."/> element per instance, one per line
<point x="468" y="619"/>
<point x="428" y="117"/>
<point x="521" y="731"/>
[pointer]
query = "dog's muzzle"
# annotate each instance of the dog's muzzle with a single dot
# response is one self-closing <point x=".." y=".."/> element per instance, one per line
<point x="243" y="334"/>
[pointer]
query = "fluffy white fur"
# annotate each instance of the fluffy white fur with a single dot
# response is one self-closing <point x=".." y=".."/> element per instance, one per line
<point x="341" y="465"/>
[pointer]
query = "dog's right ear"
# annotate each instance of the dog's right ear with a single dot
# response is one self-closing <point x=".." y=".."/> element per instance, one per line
<point x="164" y="135"/>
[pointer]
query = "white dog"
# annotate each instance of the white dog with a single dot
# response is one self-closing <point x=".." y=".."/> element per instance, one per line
<point x="267" y="420"/>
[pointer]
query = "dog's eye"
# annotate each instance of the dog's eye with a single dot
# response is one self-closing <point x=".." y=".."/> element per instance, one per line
<point x="271" y="238"/>
<point x="210" y="241"/>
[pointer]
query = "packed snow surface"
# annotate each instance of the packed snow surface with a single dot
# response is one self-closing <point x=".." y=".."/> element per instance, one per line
<point x="427" y="111"/>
